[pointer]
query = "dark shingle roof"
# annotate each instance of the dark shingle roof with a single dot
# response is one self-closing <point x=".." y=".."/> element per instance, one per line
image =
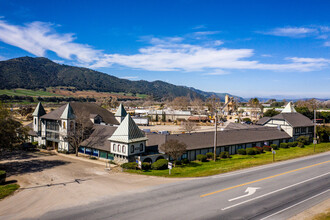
<point x="99" y="138"/>
<point x="84" y="109"/>
<point x="31" y="132"/>
<point x="232" y="126"/>
<point x="295" y="119"/>
<point x="224" y="138"/>
<point x="263" y="120"/>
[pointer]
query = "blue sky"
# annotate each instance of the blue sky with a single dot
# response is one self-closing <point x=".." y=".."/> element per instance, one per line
<point x="246" y="48"/>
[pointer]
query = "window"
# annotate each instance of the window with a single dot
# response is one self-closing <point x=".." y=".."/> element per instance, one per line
<point x="141" y="147"/>
<point x="64" y="125"/>
<point x="114" y="147"/>
<point x="124" y="150"/>
<point x="71" y="125"/>
<point x="132" y="148"/>
<point x="35" y="121"/>
<point x="303" y="130"/>
<point x="297" y="130"/>
<point x="119" y="149"/>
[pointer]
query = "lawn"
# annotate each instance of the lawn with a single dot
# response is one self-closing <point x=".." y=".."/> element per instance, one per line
<point x="199" y="169"/>
<point x="26" y="92"/>
<point x="6" y="190"/>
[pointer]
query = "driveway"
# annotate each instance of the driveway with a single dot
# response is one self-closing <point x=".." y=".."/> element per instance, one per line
<point x="52" y="182"/>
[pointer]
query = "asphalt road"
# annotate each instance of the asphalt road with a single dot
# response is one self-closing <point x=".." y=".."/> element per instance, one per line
<point x="277" y="191"/>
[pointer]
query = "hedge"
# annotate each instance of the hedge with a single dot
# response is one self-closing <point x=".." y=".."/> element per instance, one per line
<point x="267" y="148"/>
<point x="129" y="166"/>
<point x="201" y="157"/>
<point x="146" y="166"/>
<point x="274" y="146"/>
<point x="251" y="151"/>
<point x="241" y="151"/>
<point x="160" y="164"/>
<point x="185" y="161"/>
<point x="2" y="176"/>
<point x="303" y="139"/>
<point x="284" y="145"/>
<point x="210" y="155"/>
<point x="224" y="154"/>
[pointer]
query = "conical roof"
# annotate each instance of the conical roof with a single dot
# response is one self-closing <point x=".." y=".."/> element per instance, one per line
<point x="68" y="112"/>
<point x="121" y="112"/>
<point x="128" y="132"/>
<point x="289" y="108"/>
<point x="39" y="111"/>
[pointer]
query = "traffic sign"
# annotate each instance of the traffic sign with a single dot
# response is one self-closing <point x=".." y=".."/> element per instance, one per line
<point x="170" y="165"/>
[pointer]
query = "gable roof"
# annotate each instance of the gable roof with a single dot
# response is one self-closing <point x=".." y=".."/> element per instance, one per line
<point x="121" y="112"/>
<point x="263" y="120"/>
<point x="39" y="111"/>
<point x="128" y="132"/>
<point x="294" y="119"/>
<point x="83" y="109"/>
<point x="202" y="140"/>
<point x="231" y="126"/>
<point x="99" y="137"/>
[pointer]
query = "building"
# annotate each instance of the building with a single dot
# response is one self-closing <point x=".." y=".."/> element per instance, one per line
<point x="290" y="121"/>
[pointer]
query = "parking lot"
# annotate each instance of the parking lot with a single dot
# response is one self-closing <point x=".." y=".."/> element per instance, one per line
<point x="49" y="182"/>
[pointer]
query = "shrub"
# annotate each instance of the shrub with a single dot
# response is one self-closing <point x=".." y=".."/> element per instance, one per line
<point x="303" y="139"/>
<point x="160" y="164"/>
<point x="295" y="144"/>
<point x="301" y="144"/>
<point x="146" y="166"/>
<point x="178" y="162"/>
<point x="251" y="151"/>
<point x="267" y="148"/>
<point x="43" y="146"/>
<point x="241" y="151"/>
<point x="93" y="158"/>
<point x="129" y="166"/>
<point x="290" y="144"/>
<point x="210" y="155"/>
<point x="2" y="176"/>
<point x="259" y="150"/>
<point x="201" y="157"/>
<point x="35" y="143"/>
<point x="185" y="161"/>
<point x="224" y="154"/>
<point x="284" y="145"/>
<point x="274" y="146"/>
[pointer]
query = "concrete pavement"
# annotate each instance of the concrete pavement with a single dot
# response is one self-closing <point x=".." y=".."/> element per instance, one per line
<point x="280" y="191"/>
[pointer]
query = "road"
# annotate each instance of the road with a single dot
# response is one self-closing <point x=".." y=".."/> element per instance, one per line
<point x="277" y="191"/>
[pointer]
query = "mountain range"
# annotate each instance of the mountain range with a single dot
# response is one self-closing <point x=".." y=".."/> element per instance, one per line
<point x="40" y="72"/>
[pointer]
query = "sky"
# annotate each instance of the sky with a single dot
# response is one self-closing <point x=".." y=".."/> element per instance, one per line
<point x="245" y="48"/>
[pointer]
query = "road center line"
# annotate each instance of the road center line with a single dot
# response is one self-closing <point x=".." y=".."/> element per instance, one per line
<point x="287" y="187"/>
<point x="266" y="178"/>
<point x="295" y="204"/>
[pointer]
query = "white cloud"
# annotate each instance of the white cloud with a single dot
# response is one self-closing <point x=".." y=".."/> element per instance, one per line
<point x="327" y="44"/>
<point x="38" y="37"/>
<point x="217" y="73"/>
<point x="292" y="31"/>
<point x="205" y="33"/>
<point x="163" y="54"/>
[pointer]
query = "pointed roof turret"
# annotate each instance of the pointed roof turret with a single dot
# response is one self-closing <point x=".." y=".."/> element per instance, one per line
<point x="128" y="132"/>
<point x="289" y="108"/>
<point x="39" y="111"/>
<point x="121" y="112"/>
<point x="68" y="112"/>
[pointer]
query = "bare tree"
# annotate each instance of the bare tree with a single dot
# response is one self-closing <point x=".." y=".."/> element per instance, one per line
<point x="189" y="126"/>
<point x="174" y="148"/>
<point x="198" y="104"/>
<point x="78" y="131"/>
<point x="180" y="103"/>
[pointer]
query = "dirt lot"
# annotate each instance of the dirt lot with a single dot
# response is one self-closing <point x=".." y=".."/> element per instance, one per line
<point x="50" y="182"/>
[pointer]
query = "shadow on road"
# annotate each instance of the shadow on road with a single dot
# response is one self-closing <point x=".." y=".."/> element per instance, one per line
<point x="30" y="166"/>
<point x="22" y="155"/>
<point x="78" y="181"/>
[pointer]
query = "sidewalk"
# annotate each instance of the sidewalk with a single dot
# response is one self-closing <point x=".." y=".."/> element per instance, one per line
<point x="81" y="158"/>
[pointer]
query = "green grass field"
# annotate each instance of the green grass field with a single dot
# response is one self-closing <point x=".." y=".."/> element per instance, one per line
<point x="199" y="169"/>
<point x="26" y="92"/>
<point x="6" y="190"/>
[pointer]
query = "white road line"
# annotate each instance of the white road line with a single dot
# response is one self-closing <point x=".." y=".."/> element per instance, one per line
<point x="295" y="205"/>
<point x="287" y="187"/>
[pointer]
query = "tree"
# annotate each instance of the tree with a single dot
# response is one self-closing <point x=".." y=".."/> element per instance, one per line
<point x="255" y="104"/>
<point x="198" y="105"/>
<point x="181" y="103"/>
<point x="271" y="112"/>
<point x="189" y="126"/>
<point x="79" y="130"/>
<point x="173" y="148"/>
<point x="12" y="132"/>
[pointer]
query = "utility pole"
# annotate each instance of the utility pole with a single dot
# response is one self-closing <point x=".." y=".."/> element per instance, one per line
<point x="314" y="141"/>
<point x="215" y="134"/>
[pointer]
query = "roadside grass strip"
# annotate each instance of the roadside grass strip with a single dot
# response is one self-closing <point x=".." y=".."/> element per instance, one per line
<point x="6" y="190"/>
<point x="236" y="162"/>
